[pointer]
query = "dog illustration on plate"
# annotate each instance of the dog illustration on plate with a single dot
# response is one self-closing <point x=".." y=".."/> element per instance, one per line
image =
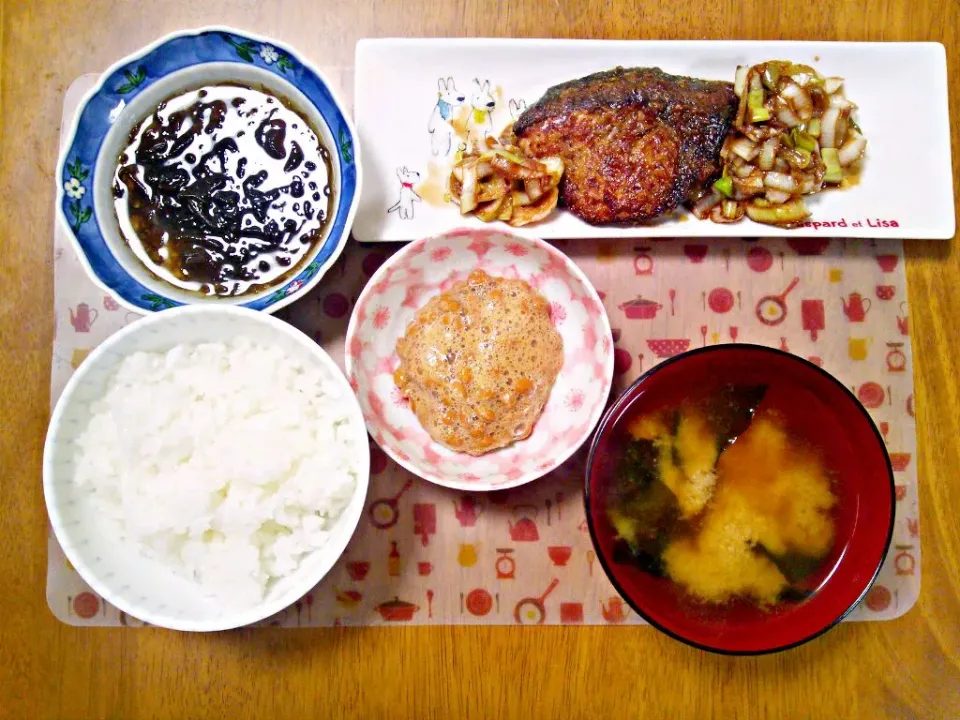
<point x="441" y="131"/>
<point x="482" y="105"/>
<point x="408" y="196"/>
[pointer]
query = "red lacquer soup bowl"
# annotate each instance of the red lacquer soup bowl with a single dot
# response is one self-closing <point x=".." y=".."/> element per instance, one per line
<point x="827" y="416"/>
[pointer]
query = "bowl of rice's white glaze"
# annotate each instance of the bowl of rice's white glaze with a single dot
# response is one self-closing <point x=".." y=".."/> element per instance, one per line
<point x="176" y="504"/>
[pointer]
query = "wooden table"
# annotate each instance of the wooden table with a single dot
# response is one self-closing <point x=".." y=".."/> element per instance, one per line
<point x="906" y="668"/>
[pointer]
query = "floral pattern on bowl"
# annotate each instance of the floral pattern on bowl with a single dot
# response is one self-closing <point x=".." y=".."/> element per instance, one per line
<point x="425" y="268"/>
<point x="119" y="86"/>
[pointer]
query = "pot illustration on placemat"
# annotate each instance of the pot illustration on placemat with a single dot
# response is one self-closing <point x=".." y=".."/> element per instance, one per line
<point x="771" y="310"/>
<point x="856" y="307"/>
<point x="505" y="565"/>
<point x="385" y="512"/>
<point x="397" y="610"/>
<point x="531" y="611"/>
<point x="467" y="511"/>
<point x="668" y="347"/>
<point x="640" y="309"/>
<point x="523" y="528"/>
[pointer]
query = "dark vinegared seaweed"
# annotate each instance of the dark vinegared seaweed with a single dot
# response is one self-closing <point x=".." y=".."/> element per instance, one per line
<point x="210" y="191"/>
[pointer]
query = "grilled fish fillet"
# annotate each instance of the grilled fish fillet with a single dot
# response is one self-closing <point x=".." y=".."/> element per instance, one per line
<point x="636" y="143"/>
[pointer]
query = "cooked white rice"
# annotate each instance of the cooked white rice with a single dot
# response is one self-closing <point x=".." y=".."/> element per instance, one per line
<point x="227" y="462"/>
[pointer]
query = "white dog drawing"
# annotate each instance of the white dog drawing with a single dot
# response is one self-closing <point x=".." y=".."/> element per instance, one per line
<point x="482" y="104"/>
<point x="441" y="132"/>
<point x="408" y="196"/>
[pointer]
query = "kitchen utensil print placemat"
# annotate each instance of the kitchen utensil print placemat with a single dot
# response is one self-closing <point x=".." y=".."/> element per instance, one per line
<point x="427" y="555"/>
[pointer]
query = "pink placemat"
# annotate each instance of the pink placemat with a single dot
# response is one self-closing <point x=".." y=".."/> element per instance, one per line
<point x="426" y="555"/>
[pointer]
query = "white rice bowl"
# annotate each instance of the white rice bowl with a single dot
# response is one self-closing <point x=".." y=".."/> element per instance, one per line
<point x="205" y="467"/>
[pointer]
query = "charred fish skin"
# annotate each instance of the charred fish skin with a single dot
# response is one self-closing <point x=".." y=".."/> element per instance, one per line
<point x="636" y="142"/>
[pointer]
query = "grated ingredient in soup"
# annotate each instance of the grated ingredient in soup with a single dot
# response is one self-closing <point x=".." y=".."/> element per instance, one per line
<point x="772" y="502"/>
<point x="747" y="519"/>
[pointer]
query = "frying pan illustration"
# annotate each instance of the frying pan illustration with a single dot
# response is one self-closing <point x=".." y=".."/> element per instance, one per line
<point x="385" y="512"/>
<point x="530" y="611"/>
<point x="772" y="309"/>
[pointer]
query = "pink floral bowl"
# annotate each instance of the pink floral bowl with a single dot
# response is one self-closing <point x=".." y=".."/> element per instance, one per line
<point x="426" y="268"/>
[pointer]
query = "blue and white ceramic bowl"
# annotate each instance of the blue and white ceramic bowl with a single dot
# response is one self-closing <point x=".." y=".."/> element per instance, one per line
<point x="129" y="91"/>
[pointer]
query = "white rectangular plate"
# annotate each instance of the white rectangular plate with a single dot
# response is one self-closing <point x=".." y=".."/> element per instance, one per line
<point x="905" y="190"/>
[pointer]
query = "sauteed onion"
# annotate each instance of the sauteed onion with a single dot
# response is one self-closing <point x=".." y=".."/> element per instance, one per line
<point x="794" y="135"/>
<point x="499" y="182"/>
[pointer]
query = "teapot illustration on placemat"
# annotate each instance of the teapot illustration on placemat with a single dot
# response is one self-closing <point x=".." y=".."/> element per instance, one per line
<point x="613" y="610"/>
<point x="856" y="307"/>
<point x="82" y="317"/>
<point x="524" y="529"/>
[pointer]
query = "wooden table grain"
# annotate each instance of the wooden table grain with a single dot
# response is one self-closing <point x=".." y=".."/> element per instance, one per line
<point x="901" y="669"/>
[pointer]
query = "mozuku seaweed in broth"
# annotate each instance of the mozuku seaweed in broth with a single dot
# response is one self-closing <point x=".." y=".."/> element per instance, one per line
<point x="224" y="190"/>
<point x="720" y="496"/>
